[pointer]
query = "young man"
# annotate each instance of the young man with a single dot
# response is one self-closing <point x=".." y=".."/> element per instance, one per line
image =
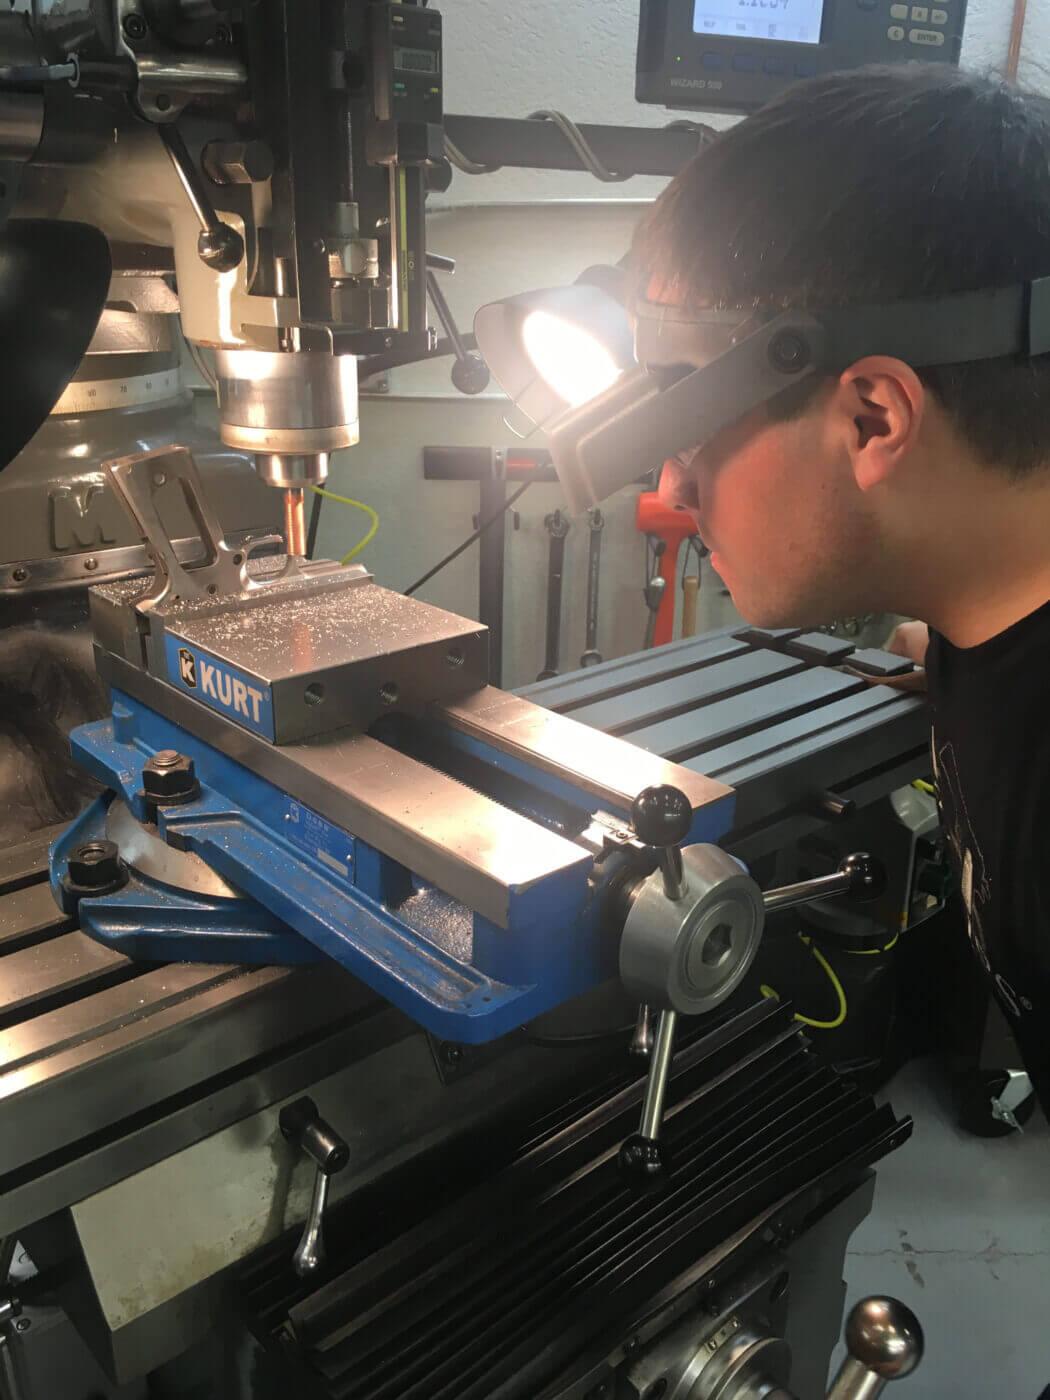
<point x="918" y="492"/>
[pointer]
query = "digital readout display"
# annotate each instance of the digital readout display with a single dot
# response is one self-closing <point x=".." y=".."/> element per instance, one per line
<point x="790" y="21"/>
<point x="416" y="60"/>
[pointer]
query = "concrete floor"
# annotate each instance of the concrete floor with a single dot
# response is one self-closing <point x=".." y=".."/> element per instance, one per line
<point x="960" y="1231"/>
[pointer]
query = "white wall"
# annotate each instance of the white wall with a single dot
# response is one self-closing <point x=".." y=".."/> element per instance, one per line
<point x="512" y="57"/>
<point x="508" y="58"/>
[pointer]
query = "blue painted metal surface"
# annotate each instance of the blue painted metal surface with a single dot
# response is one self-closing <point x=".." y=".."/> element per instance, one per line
<point x="244" y="699"/>
<point x="449" y="968"/>
<point x="152" y="920"/>
<point x="709" y="822"/>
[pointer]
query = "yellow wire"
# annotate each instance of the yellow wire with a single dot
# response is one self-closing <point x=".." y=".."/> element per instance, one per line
<point x="768" y="991"/>
<point x="358" y="505"/>
<point x="870" y="952"/>
<point x="923" y="786"/>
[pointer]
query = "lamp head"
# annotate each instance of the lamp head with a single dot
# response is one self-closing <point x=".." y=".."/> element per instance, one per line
<point x="619" y="395"/>
<point x="555" y="349"/>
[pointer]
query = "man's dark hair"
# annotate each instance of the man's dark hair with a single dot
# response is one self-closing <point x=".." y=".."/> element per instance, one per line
<point x="872" y="186"/>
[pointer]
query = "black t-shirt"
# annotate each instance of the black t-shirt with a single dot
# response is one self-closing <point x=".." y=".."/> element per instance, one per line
<point x="991" y="752"/>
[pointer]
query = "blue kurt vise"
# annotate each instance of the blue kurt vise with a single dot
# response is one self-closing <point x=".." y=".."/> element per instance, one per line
<point x="300" y="764"/>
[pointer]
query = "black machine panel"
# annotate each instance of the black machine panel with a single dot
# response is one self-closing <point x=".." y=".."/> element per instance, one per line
<point x="734" y="55"/>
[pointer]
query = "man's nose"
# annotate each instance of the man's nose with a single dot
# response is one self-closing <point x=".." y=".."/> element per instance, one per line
<point x="677" y="488"/>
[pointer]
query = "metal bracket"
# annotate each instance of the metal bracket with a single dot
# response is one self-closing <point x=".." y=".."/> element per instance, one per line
<point x="167" y="81"/>
<point x="136" y="481"/>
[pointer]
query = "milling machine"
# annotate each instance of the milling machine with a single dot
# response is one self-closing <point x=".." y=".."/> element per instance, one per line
<point x="349" y="937"/>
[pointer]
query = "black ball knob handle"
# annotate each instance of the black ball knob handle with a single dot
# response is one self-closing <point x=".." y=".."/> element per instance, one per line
<point x="644" y="1163"/>
<point x="470" y="375"/>
<point x="662" y="816"/>
<point x="220" y="247"/>
<point x="867" y="876"/>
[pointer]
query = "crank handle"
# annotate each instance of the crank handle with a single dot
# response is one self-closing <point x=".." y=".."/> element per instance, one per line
<point x="643" y="1159"/>
<point x="860" y="876"/>
<point x="303" y="1125"/>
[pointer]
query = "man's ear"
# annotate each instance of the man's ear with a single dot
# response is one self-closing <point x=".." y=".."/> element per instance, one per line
<point x="883" y="401"/>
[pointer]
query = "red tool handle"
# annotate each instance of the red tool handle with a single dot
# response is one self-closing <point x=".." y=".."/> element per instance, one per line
<point x="652" y="517"/>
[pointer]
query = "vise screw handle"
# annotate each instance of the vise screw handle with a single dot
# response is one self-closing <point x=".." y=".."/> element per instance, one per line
<point x="859" y="875"/>
<point x="661" y="817"/>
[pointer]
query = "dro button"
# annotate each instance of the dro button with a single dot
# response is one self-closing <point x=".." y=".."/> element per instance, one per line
<point x="934" y="38"/>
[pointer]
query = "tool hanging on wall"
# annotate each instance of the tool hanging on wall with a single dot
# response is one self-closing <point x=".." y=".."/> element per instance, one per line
<point x="557" y="526"/>
<point x="691" y="583"/>
<point x="591" y="655"/>
<point x="655" y="587"/>
<point x="654" y="518"/>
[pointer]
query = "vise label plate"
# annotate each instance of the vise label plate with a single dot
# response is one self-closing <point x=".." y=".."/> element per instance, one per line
<point x="243" y="698"/>
<point x="319" y="838"/>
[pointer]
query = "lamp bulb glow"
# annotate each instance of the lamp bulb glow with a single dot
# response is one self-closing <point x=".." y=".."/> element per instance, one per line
<point x="574" y="363"/>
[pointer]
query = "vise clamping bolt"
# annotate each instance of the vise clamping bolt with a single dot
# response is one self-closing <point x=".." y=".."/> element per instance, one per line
<point x="303" y="1125"/>
<point x="690" y="933"/>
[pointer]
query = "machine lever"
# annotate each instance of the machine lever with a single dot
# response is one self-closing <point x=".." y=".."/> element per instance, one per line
<point x="303" y="1125"/>
<point x="885" y="1343"/>
<point x="218" y="245"/>
<point x="662" y="817"/>
<point x="860" y="876"/>
<point x="641" y="1046"/>
<point x="470" y="373"/>
<point x="643" y="1158"/>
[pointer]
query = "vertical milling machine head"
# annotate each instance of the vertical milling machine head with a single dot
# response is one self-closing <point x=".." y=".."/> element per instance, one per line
<point x="281" y="148"/>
